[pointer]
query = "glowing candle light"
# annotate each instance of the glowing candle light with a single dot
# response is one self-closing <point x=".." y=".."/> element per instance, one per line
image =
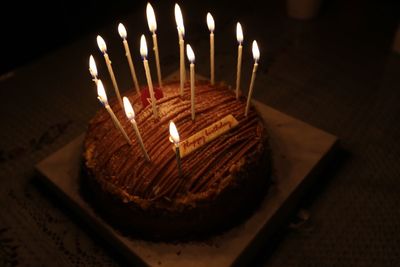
<point x="256" y="56"/>
<point x="130" y="114"/>
<point x="93" y="69"/>
<point x="122" y="32"/>
<point x="143" y="52"/>
<point x="174" y="138"/>
<point x="239" y="37"/>
<point x="181" y="34"/>
<point x="211" y="27"/>
<point x="101" y="95"/>
<point x="190" y="55"/>
<point x="103" y="48"/>
<point x="151" y="21"/>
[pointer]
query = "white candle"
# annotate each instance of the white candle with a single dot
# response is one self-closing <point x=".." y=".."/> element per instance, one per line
<point x="151" y="21"/>
<point x="93" y="69"/>
<point x="130" y="114"/>
<point x="103" y="48"/>
<point x="181" y="34"/>
<point x="143" y="52"/>
<point x="101" y="95"/>
<point x="122" y="32"/>
<point x="190" y="55"/>
<point x="256" y="56"/>
<point x="211" y="27"/>
<point x="239" y="37"/>
<point x="174" y="138"/>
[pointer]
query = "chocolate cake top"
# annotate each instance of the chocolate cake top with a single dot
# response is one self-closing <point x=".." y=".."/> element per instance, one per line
<point x="122" y="168"/>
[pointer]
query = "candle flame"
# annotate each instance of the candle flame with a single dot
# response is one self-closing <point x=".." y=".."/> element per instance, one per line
<point x="190" y="53"/>
<point x="173" y="132"/>
<point x="130" y="113"/>
<point x="101" y="93"/>
<point x="239" y="33"/>
<point x="179" y="19"/>
<point x="256" y="51"/>
<point x="122" y="31"/>
<point x="92" y="67"/>
<point x="101" y="44"/>
<point x="151" y="18"/>
<point x="210" y="22"/>
<point x="143" y="46"/>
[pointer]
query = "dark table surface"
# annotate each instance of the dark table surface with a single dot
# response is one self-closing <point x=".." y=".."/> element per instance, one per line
<point x="336" y="72"/>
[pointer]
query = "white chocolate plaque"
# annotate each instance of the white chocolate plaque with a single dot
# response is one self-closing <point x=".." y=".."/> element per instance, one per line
<point x="206" y="135"/>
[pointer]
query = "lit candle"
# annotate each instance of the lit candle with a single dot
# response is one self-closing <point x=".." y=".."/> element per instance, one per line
<point x="174" y="138"/>
<point x="211" y="27"/>
<point x="93" y="69"/>
<point x="151" y="20"/>
<point x="239" y="37"/>
<point x="103" y="48"/>
<point x="181" y="33"/>
<point x="130" y="114"/>
<point x="256" y="56"/>
<point x="143" y="52"/>
<point x="122" y="32"/>
<point x="101" y="95"/>
<point x="190" y="55"/>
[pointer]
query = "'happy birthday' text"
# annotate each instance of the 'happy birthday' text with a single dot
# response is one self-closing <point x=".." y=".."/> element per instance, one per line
<point x="207" y="135"/>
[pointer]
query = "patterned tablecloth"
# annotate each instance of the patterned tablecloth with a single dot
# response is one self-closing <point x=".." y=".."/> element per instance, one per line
<point x="335" y="72"/>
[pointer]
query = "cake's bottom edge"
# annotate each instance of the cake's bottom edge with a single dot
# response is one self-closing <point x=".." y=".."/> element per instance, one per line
<point x="230" y="208"/>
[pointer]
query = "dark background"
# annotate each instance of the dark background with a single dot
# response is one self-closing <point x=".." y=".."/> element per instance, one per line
<point x="30" y="30"/>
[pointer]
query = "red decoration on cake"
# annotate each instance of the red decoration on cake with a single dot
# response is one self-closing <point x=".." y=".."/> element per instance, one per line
<point x="145" y="95"/>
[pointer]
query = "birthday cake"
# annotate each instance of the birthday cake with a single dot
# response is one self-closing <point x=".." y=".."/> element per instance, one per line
<point x="225" y="164"/>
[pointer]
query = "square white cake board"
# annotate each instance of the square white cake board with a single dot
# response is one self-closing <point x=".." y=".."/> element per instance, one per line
<point x="299" y="150"/>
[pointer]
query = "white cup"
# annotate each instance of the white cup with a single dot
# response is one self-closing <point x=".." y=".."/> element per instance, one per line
<point x="396" y="41"/>
<point x="303" y="9"/>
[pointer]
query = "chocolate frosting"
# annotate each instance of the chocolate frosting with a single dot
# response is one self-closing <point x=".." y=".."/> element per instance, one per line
<point x="122" y="168"/>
